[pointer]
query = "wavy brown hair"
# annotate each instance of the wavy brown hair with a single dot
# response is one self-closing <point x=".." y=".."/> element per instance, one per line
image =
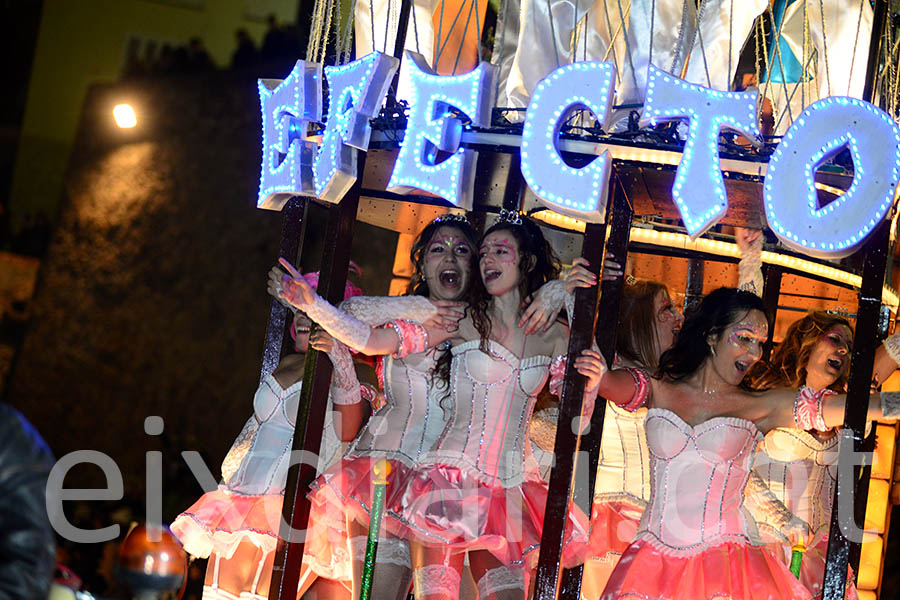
<point x="636" y="339"/>
<point x="533" y="250"/>
<point x="787" y="367"/>
<point x="537" y="265"/>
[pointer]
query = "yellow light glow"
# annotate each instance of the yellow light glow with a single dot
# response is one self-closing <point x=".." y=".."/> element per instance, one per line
<point x="870" y="561"/>
<point x="124" y="116"/>
<point x="681" y="241"/>
<point x="877" y="505"/>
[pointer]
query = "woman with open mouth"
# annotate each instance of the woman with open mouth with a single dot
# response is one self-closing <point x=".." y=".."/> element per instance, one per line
<point x="479" y="493"/>
<point x="443" y="271"/>
<point x="702" y="429"/>
<point x="798" y="469"/>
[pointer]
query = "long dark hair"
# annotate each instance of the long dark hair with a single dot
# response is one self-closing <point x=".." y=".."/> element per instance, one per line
<point x="787" y="367"/>
<point x="537" y="265"/>
<point x="718" y="310"/>
<point x="636" y="339"/>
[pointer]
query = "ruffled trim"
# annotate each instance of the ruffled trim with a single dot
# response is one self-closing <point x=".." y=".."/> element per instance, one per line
<point x="447" y="506"/>
<point x="727" y="570"/>
<point x="219" y="521"/>
<point x="613" y="527"/>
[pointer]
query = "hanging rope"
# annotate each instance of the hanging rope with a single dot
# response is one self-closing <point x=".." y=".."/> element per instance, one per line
<point x="825" y="45"/>
<point x="698" y="19"/>
<point x="627" y="43"/>
<point x="452" y="27"/>
<point x="856" y="40"/>
<point x="462" y="42"/>
<point x="498" y="59"/>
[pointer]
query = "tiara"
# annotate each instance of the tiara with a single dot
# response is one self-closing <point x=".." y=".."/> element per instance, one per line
<point x="839" y="311"/>
<point x="512" y="217"/>
<point x="451" y="218"/>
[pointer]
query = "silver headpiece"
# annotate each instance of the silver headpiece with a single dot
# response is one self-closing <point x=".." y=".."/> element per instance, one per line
<point x="451" y="218"/>
<point x="513" y="217"/>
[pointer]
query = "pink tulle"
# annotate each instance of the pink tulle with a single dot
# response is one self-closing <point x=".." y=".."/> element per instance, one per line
<point x="447" y="506"/>
<point x="728" y="570"/>
<point x="220" y="521"/>
<point x="613" y="526"/>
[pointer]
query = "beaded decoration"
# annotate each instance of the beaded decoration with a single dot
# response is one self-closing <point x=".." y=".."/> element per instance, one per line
<point x="513" y="217"/>
<point x="451" y="218"/>
<point x="808" y="409"/>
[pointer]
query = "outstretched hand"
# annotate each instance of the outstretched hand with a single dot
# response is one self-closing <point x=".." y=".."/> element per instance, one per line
<point x="580" y="276"/>
<point x="449" y="314"/>
<point x="745" y="238"/>
<point x="592" y="365"/>
<point x="294" y="287"/>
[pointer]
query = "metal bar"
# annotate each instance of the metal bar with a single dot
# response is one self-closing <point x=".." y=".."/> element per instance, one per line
<point x="547" y="584"/>
<point x="313" y="399"/>
<point x="278" y="342"/>
<point x="607" y="322"/>
<point x="771" y="293"/>
<point x="846" y="522"/>
<point x="399" y="45"/>
<point x="693" y="290"/>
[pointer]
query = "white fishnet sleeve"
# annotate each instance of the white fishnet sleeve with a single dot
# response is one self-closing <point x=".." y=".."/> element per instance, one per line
<point x="554" y="297"/>
<point x="344" y="383"/>
<point x="378" y="310"/>
<point x="239" y="449"/>
<point x="339" y="324"/>
<point x="542" y="429"/>
<point x="750" y="277"/>
<point x="769" y="511"/>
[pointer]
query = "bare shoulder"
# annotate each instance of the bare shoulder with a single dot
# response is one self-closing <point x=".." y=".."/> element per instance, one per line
<point x="290" y="369"/>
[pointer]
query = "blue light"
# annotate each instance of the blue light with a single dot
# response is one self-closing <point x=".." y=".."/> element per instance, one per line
<point x="287" y="108"/>
<point x="839" y="228"/>
<point x="431" y="126"/>
<point x="708" y="111"/>
<point x="576" y="192"/>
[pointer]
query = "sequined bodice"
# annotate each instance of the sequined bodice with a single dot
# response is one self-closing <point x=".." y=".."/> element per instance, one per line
<point x="697" y="481"/>
<point x="624" y="467"/>
<point x="263" y="467"/>
<point x="493" y="400"/>
<point x="412" y="419"/>
<point x="801" y="471"/>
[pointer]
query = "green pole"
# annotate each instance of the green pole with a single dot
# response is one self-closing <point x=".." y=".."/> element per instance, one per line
<point x="797" y="558"/>
<point x="380" y="472"/>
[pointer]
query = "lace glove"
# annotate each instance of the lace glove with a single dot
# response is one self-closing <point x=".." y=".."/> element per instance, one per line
<point x="750" y="277"/>
<point x="890" y="404"/>
<point x="542" y="429"/>
<point x="373" y="310"/>
<point x="239" y="449"/>
<point x="769" y="511"/>
<point x="339" y="325"/>
<point x="344" y="383"/>
<point x="892" y="345"/>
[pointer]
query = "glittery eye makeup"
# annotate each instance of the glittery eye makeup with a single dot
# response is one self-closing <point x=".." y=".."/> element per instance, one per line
<point x="501" y="250"/>
<point x="746" y="337"/>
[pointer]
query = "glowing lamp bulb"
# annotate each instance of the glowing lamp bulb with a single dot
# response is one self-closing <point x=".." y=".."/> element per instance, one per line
<point x="124" y="116"/>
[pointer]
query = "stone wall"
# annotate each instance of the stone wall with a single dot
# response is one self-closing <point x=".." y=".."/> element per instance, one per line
<point x="151" y="300"/>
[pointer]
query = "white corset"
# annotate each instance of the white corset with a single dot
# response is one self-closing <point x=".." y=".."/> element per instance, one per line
<point x="411" y="421"/>
<point x="802" y="473"/>
<point x="697" y="481"/>
<point x="263" y="468"/>
<point x="624" y="467"/>
<point x="493" y="400"/>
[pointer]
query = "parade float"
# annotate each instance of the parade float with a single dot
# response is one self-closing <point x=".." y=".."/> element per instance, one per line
<point x="640" y="130"/>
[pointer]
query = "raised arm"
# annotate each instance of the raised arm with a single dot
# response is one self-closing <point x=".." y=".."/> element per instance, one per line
<point x="750" y="243"/>
<point x="821" y="411"/>
<point x="404" y="337"/>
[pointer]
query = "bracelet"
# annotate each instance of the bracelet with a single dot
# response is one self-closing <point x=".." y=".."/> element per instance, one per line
<point x="808" y="409"/>
<point x="641" y="389"/>
<point x="413" y="337"/>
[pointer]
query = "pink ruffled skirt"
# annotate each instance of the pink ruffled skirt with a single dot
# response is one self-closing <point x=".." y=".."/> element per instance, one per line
<point x="450" y="507"/>
<point x="613" y="526"/>
<point x="728" y="570"/>
<point x="220" y="521"/>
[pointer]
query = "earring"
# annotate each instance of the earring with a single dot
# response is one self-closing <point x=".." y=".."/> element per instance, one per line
<point x="712" y="350"/>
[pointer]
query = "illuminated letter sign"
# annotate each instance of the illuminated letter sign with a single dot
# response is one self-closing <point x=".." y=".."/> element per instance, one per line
<point x="792" y="208"/>
<point x="577" y="192"/>
<point x="699" y="190"/>
<point x="432" y="127"/>
<point x="287" y="107"/>
<point x="355" y="93"/>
